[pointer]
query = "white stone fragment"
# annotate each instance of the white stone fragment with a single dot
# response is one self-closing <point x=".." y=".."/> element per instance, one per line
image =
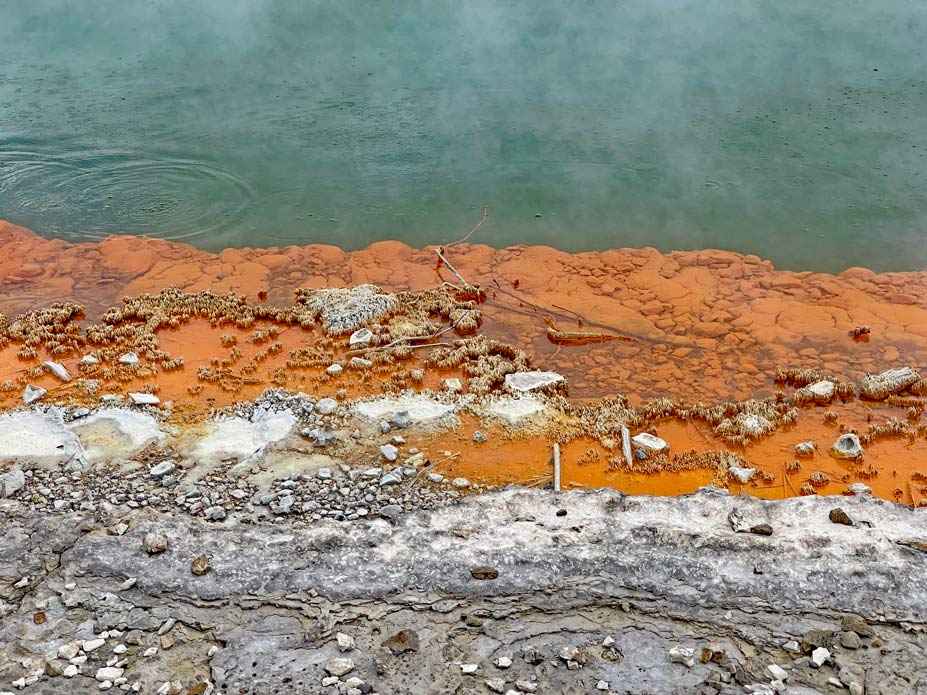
<point x="777" y="672"/>
<point x="129" y="358"/>
<point x="33" y="393"/>
<point x="742" y="474"/>
<point x="144" y="399"/>
<point x="333" y="370"/>
<point x="822" y="391"/>
<point x="92" y="644"/>
<point x="108" y="673"/>
<point x="847" y="446"/>
<point x="530" y="381"/>
<point x="339" y="666"/>
<point x="819" y="657"/>
<point x="59" y="370"/>
<point x="360" y="337"/>
<point x="645" y="440"/>
<point x="345" y="642"/>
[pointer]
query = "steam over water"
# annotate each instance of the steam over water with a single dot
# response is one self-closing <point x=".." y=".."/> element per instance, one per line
<point x="793" y="130"/>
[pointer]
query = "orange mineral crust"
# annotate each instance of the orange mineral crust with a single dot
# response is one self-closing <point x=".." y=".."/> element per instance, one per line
<point x="709" y="325"/>
<point x="713" y="328"/>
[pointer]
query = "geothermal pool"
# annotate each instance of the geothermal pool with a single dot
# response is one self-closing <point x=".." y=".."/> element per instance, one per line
<point x="792" y="131"/>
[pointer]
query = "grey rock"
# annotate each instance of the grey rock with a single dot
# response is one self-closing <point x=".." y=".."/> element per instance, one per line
<point x="847" y="446"/>
<point x="401" y="419"/>
<point x="389" y="452"/>
<point x="326" y="406"/>
<point x="31" y="394"/>
<point x="804" y="449"/>
<point x="391" y="511"/>
<point x="390" y="479"/>
<point x="155" y="542"/>
<point x="479" y="436"/>
<point x="161" y="469"/>
<point x="11" y="482"/>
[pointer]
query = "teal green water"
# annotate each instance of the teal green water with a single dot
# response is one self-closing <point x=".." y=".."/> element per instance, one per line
<point x="793" y="130"/>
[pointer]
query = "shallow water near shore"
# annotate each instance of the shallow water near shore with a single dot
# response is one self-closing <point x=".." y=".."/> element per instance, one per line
<point x="793" y="132"/>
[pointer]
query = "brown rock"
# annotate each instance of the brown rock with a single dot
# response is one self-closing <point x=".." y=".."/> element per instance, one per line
<point x="838" y="516"/>
<point x="402" y="642"/>
<point x="484" y="572"/>
<point x="762" y="530"/>
<point x="200" y="565"/>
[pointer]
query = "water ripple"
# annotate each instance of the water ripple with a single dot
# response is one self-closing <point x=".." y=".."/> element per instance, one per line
<point x="101" y="192"/>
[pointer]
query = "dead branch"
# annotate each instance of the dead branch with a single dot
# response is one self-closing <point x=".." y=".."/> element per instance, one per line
<point x="470" y="233"/>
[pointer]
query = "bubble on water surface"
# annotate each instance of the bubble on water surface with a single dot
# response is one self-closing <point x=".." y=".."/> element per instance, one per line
<point x="120" y="192"/>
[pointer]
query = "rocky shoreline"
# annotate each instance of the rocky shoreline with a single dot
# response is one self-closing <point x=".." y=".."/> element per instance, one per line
<point x="513" y="591"/>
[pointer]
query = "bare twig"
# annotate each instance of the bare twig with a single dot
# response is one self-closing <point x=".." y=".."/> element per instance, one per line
<point x="451" y="268"/>
<point x="470" y="233"/>
<point x="425" y="470"/>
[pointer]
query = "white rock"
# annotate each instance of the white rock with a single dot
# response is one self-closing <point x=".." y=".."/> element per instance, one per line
<point x="333" y="369"/>
<point x="497" y="685"/>
<point x="339" y="667"/>
<point x="608" y="641"/>
<point x="330" y="680"/>
<point x="526" y="686"/>
<point x="777" y="672"/>
<point x="645" y="440"/>
<point x="460" y="483"/>
<point x="419" y="407"/>
<point x="59" y="370"/>
<point x="601" y="685"/>
<point x="502" y="662"/>
<point x="129" y="358"/>
<point x="69" y="650"/>
<point x="744" y="475"/>
<point x="847" y="446"/>
<point x="120" y="649"/>
<point x="819" y="657"/>
<point x="804" y="449"/>
<point x="360" y="337"/>
<point x="151" y="651"/>
<point x="33" y="393"/>
<point x="162" y="469"/>
<point x="11" y="482"/>
<point x="244" y="439"/>
<point x="682" y="655"/>
<point x="105" y="685"/>
<point x="530" y="381"/>
<point x="70" y="671"/>
<point x="360" y="363"/>
<point x="326" y="406"/>
<point x="885" y="384"/>
<point x="469" y="668"/>
<point x="389" y="452"/>
<point x="822" y="391"/>
<point x="112" y="432"/>
<point x="345" y="642"/>
<point x="517" y="408"/>
<point x="92" y="644"/>
<point x="144" y="399"/>
<point x="108" y="673"/>
<point x="89" y="359"/>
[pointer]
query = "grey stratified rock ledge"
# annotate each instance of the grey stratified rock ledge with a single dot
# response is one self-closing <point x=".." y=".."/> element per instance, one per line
<point x="612" y="588"/>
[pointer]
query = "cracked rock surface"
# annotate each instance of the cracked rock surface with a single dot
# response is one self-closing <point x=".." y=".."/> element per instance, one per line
<point x="514" y="591"/>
